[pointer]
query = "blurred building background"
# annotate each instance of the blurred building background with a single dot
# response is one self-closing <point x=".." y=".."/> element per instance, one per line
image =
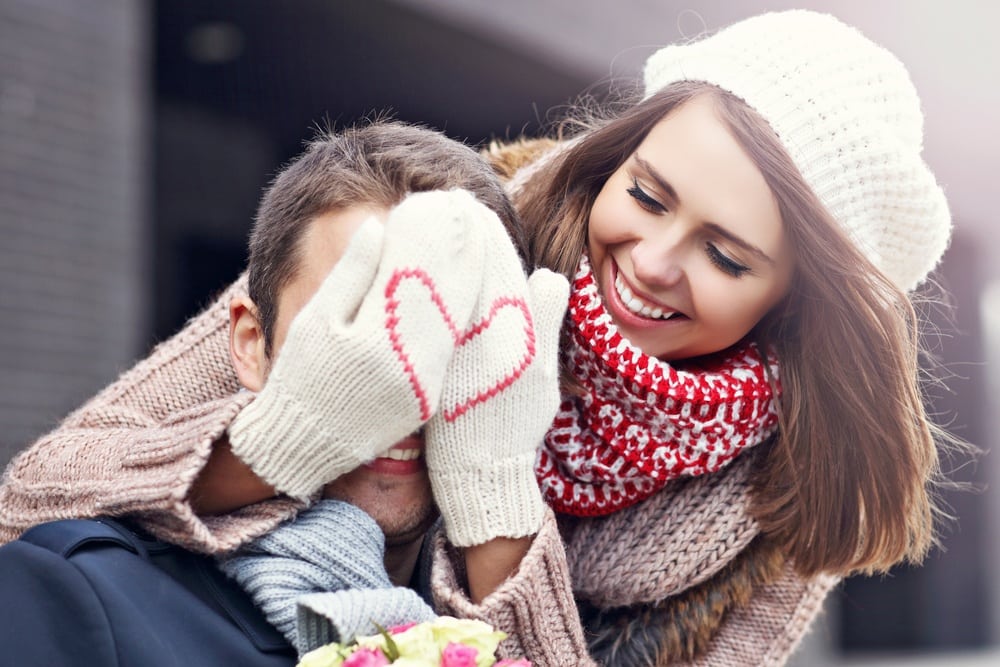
<point x="136" y="135"/>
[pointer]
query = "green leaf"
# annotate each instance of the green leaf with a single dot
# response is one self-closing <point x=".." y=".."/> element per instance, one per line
<point x="391" y="650"/>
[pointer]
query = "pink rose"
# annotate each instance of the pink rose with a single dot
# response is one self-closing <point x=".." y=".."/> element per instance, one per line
<point x="396" y="629"/>
<point x="522" y="662"/>
<point x="366" y="657"/>
<point x="457" y="655"/>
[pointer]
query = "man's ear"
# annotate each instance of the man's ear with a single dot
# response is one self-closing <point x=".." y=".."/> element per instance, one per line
<point x="246" y="343"/>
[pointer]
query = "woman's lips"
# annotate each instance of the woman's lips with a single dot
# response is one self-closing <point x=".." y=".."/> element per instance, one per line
<point x="638" y="303"/>
<point x="624" y="315"/>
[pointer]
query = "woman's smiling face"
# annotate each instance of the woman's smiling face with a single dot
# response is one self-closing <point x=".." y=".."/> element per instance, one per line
<point x="686" y="239"/>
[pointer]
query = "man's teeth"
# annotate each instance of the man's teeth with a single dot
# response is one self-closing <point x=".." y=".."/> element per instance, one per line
<point x="403" y="454"/>
<point x="636" y="305"/>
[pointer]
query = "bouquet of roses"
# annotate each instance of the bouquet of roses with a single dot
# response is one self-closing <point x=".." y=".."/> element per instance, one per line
<point x="444" y="642"/>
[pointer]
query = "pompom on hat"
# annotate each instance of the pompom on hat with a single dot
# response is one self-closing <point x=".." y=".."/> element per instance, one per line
<point x="846" y="111"/>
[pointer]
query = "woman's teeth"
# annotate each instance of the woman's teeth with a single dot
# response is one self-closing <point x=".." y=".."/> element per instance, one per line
<point x="636" y="305"/>
<point x="403" y="454"/>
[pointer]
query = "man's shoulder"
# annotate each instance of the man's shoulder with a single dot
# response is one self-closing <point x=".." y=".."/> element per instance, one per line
<point x="149" y="602"/>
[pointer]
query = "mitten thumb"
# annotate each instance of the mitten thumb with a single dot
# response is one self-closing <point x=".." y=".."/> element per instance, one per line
<point x="549" y="296"/>
<point x="351" y="278"/>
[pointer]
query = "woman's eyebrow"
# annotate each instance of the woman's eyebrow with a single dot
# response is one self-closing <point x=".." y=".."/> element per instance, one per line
<point x="740" y="241"/>
<point x="656" y="176"/>
<point x="714" y="227"/>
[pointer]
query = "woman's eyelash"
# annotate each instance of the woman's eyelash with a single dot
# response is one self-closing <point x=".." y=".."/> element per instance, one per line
<point x="724" y="263"/>
<point x="716" y="256"/>
<point x="644" y="199"/>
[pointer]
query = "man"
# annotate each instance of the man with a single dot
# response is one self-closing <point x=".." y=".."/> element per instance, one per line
<point x="338" y="412"/>
<point x="366" y="326"/>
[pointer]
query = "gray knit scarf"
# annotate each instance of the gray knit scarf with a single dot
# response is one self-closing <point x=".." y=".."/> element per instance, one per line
<point x="320" y="578"/>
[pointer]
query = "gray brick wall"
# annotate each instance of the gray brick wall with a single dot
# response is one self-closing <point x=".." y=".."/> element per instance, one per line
<point x="74" y="274"/>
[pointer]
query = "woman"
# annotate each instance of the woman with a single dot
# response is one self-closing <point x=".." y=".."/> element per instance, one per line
<point x="682" y="277"/>
<point x="818" y="196"/>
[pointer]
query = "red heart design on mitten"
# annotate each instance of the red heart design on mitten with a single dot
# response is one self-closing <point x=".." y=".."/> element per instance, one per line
<point x="484" y="332"/>
<point x="396" y="336"/>
<point x="477" y="333"/>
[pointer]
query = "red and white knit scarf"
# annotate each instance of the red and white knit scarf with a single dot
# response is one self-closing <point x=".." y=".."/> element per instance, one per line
<point x="643" y="422"/>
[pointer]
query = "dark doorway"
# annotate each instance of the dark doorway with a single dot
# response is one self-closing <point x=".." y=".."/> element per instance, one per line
<point x="240" y="85"/>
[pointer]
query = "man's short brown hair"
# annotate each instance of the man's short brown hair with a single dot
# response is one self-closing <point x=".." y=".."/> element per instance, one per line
<point x="377" y="165"/>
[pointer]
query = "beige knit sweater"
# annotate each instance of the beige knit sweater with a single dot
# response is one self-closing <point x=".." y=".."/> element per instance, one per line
<point x="136" y="447"/>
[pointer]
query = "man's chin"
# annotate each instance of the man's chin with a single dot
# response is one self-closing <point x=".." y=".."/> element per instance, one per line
<point x="401" y="506"/>
<point x="400" y="533"/>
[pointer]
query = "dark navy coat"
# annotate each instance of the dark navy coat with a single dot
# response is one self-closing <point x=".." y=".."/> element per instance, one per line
<point x="92" y="593"/>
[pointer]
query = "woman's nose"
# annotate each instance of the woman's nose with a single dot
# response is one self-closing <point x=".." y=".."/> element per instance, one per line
<point x="658" y="263"/>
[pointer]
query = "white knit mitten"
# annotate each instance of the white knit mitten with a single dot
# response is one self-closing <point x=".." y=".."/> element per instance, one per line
<point x="363" y="363"/>
<point x="499" y="399"/>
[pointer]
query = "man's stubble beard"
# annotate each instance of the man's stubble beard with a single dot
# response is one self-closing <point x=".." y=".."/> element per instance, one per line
<point x="404" y="512"/>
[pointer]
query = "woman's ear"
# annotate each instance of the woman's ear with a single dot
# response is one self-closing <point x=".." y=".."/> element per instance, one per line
<point x="246" y="343"/>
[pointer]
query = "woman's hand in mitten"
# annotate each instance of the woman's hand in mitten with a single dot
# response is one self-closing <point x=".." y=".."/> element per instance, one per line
<point x="364" y="360"/>
<point x="500" y="396"/>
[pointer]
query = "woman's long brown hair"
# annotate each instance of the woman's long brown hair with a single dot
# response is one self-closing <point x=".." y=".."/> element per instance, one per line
<point x="845" y="485"/>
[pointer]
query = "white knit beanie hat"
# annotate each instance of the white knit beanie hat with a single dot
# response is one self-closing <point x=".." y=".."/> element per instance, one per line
<point x="846" y="111"/>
